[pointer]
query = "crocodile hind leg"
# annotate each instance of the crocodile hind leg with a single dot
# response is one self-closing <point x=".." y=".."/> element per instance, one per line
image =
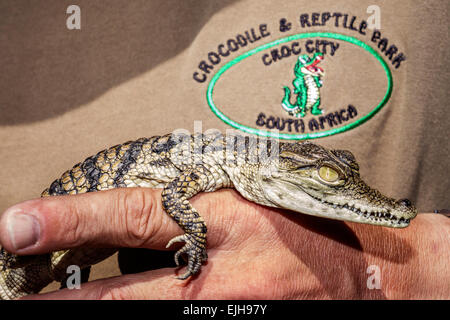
<point x="12" y="261"/>
<point x="315" y="108"/>
<point x="300" y="90"/>
<point x="18" y="279"/>
<point x="80" y="257"/>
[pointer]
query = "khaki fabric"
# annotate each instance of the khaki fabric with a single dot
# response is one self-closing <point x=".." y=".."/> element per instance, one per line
<point x="129" y="73"/>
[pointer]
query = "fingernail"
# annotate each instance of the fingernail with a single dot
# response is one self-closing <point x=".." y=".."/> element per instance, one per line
<point x="23" y="229"/>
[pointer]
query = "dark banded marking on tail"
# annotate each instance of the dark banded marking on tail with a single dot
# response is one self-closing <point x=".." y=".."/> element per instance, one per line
<point x="91" y="173"/>
<point x="56" y="188"/>
<point x="129" y="158"/>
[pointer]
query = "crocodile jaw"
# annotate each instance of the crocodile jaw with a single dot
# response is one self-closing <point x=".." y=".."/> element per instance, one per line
<point x="282" y="194"/>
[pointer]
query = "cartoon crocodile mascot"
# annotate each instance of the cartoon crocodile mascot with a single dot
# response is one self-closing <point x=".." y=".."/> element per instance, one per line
<point x="306" y="85"/>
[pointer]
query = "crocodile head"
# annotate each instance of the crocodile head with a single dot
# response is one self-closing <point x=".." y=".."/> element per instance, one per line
<point x="310" y="179"/>
<point x="309" y="66"/>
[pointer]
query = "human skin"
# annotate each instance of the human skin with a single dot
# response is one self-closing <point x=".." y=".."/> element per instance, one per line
<point x="255" y="252"/>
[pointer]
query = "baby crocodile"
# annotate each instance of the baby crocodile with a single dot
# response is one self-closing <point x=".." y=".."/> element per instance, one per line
<point x="302" y="177"/>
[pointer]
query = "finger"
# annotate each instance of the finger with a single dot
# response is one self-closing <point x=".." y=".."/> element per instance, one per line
<point x="125" y="217"/>
<point x="151" y="285"/>
<point x="222" y="278"/>
<point x="158" y="284"/>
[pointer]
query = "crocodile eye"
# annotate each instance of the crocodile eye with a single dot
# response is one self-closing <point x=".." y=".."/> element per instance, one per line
<point x="328" y="174"/>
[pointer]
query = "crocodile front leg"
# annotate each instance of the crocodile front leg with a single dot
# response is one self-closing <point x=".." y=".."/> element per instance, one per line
<point x="175" y="201"/>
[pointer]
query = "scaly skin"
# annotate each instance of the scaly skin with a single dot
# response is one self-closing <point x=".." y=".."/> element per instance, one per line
<point x="302" y="177"/>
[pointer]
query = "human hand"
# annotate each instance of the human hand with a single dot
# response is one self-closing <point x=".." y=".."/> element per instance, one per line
<point x="255" y="252"/>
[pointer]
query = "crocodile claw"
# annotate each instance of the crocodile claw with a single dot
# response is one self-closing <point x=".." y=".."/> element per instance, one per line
<point x="194" y="249"/>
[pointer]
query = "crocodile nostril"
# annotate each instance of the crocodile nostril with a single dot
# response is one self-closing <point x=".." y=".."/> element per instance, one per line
<point x="405" y="202"/>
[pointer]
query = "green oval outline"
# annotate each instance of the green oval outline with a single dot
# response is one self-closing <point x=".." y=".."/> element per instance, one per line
<point x="302" y="136"/>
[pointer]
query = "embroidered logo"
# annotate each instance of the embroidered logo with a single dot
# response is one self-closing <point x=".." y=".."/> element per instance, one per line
<point x="250" y="85"/>
<point x="306" y="84"/>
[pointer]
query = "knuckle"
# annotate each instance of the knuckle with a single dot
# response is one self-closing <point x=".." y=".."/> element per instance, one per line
<point x="137" y="210"/>
<point x="74" y="234"/>
<point x="70" y="223"/>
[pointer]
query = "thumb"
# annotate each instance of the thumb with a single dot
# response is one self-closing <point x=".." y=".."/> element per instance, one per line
<point x="125" y="217"/>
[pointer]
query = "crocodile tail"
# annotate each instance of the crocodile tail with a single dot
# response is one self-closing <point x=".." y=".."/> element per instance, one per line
<point x="19" y="282"/>
<point x="286" y="103"/>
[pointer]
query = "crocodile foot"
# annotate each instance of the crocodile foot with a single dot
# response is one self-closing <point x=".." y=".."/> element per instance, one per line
<point x="194" y="248"/>
<point x="316" y="111"/>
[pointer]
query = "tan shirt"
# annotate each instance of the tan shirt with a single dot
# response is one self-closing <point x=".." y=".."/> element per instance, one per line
<point x="142" y="68"/>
